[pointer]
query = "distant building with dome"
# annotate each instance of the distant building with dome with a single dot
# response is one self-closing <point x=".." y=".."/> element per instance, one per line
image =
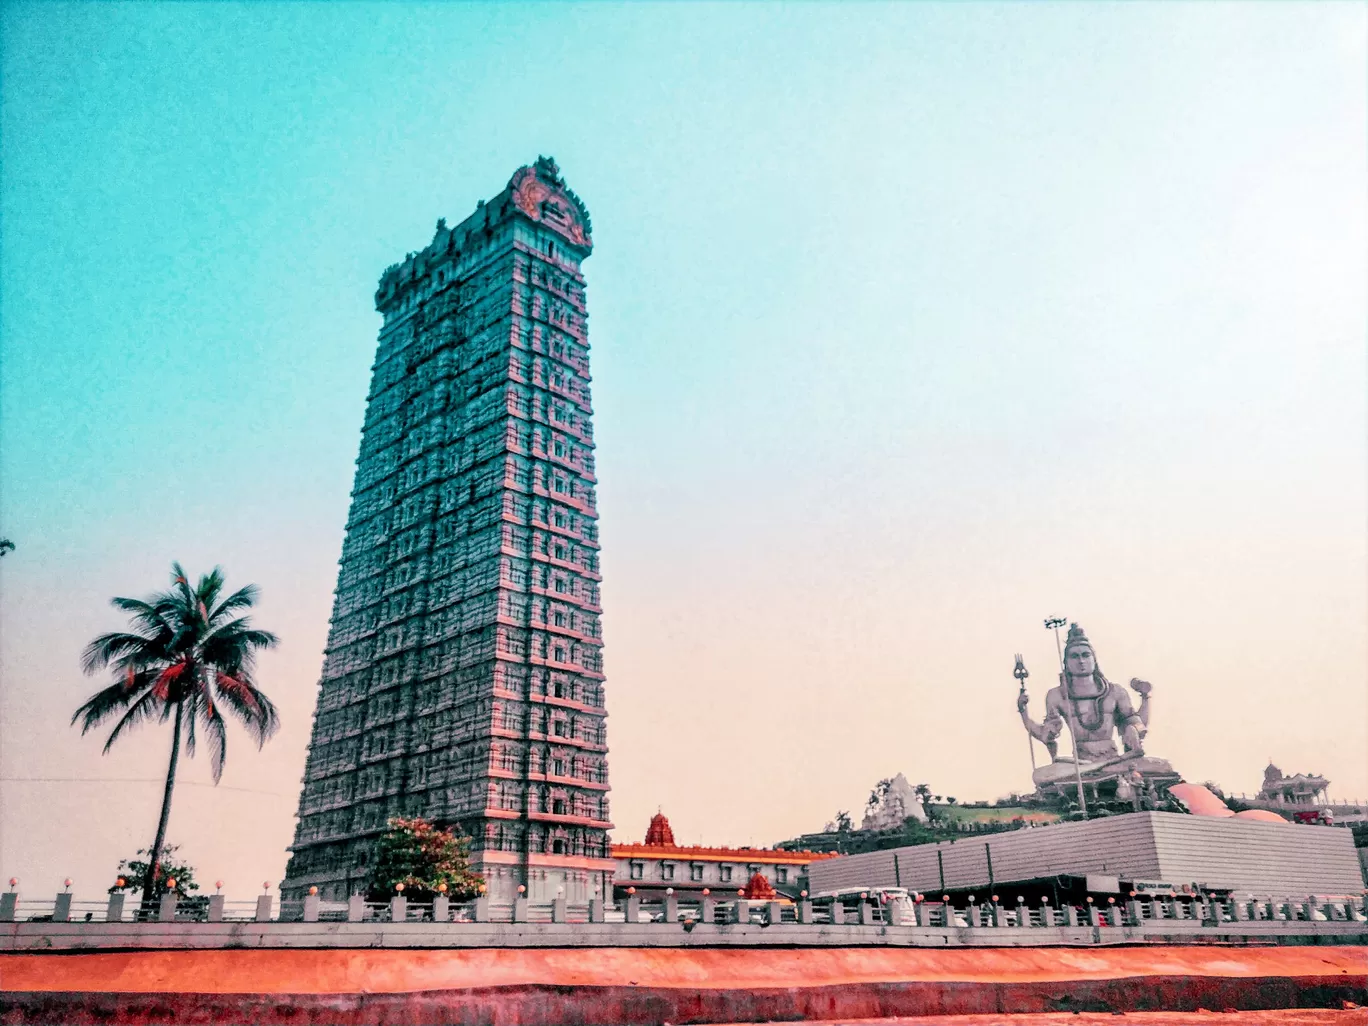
<point x="1299" y="789"/>
<point x="659" y="863"/>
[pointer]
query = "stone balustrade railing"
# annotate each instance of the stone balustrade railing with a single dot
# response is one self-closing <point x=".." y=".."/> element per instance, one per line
<point x="1133" y="913"/>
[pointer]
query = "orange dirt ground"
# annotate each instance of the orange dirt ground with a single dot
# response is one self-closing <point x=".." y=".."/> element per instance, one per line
<point x="372" y="971"/>
<point x="655" y="986"/>
<point x="1276" y="1017"/>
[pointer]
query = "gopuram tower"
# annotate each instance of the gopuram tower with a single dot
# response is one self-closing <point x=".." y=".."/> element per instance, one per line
<point x="462" y="680"/>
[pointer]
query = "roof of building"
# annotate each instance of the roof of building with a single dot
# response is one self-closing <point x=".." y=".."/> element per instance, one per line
<point x="660" y="844"/>
<point x="1275" y="780"/>
<point x="659" y="831"/>
<point x="700" y="853"/>
<point x="1261" y="858"/>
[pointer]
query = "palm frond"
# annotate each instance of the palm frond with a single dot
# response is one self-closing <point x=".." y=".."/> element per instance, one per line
<point x="180" y="585"/>
<point x="115" y="645"/>
<point x="207" y="593"/>
<point x="257" y="712"/>
<point x="167" y="678"/>
<point x="107" y="701"/>
<point x="218" y="738"/>
<point x="137" y="712"/>
<point x="147" y="613"/>
<point x="187" y="714"/>
<point x="231" y="645"/>
<point x="243" y="598"/>
<point x="257" y="638"/>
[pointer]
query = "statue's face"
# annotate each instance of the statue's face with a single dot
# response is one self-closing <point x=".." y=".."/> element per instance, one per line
<point x="1079" y="662"/>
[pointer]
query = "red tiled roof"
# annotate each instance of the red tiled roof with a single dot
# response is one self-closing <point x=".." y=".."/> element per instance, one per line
<point x="699" y="853"/>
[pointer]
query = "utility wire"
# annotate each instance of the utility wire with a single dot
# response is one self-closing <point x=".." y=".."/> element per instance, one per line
<point x="132" y="780"/>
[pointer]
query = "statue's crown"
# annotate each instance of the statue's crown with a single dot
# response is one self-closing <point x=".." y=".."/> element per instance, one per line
<point x="1076" y="639"/>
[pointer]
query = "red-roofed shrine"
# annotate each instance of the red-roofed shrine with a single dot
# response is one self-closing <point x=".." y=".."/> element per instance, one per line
<point x="659" y="863"/>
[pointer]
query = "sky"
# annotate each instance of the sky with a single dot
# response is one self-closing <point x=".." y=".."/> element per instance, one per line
<point x="912" y="325"/>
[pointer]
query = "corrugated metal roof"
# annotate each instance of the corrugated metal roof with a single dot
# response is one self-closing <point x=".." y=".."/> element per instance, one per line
<point x="1262" y="858"/>
<point x="1269" y="859"/>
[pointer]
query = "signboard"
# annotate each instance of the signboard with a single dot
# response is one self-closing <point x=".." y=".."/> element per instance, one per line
<point x="1154" y="887"/>
<point x="1099" y="884"/>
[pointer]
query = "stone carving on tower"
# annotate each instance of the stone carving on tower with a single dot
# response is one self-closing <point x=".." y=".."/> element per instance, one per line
<point x="1096" y="711"/>
<point x="462" y="679"/>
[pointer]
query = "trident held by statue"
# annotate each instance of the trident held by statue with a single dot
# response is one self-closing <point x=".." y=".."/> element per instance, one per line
<point x="1021" y="673"/>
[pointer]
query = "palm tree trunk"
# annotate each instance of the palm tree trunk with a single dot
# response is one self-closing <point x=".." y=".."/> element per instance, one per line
<point x="154" y="855"/>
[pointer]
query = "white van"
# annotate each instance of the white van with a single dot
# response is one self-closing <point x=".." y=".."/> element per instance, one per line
<point x="883" y="899"/>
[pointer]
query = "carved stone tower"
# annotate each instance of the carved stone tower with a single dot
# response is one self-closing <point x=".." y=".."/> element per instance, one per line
<point x="463" y="680"/>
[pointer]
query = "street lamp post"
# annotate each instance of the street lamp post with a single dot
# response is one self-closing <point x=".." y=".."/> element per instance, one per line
<point x="1054" y="623"/>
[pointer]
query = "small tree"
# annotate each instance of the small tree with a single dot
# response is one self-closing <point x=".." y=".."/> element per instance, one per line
<point x="134" y="874"/>
<point x="422" y="857"/>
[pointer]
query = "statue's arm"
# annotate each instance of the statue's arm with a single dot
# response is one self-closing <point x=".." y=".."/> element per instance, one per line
<point x="1129" y="721"/>
<point x="1043" y="732"/>
<point x="1126" y="716"/>
<point x="1054" y="720"/>
<point x="1142" y="688"/>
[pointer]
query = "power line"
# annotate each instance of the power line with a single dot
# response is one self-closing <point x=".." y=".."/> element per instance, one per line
<point x="132" y="780"/>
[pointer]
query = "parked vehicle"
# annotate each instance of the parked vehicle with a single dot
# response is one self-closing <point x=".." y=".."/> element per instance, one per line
<point x="882" y="898"/>
<point x="1315" y="817"/>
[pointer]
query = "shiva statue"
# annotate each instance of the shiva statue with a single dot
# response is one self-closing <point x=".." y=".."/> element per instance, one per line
<point x="1095" y="711"/>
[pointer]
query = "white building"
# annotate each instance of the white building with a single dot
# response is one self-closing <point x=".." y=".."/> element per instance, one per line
<point x="658" y="863"/>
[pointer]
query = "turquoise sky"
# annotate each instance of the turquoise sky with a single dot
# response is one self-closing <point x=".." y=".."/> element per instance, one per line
<point x="911" y="324"/>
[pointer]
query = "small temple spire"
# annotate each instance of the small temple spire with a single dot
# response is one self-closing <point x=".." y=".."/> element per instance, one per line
<point x="659" y="832"/>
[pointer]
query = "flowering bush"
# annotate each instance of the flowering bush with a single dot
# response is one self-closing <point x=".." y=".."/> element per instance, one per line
<point x="422" y="857"/>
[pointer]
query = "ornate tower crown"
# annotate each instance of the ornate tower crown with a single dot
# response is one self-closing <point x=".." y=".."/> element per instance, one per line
<point x="549" y="172"/>
<point x="1076" y="639"/>
<point x="539" y="191"/>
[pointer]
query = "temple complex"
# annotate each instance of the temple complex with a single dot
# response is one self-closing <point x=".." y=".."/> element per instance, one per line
<point x="462" y="680"/>
<point x="1299" y="789"/>
<point x="659" y="864"/>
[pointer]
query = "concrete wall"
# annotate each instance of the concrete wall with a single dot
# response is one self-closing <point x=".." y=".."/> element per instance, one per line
<point x="110" y="936"/>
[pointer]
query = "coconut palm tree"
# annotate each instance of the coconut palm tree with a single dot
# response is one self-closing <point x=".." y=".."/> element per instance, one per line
<point x="188" y="656"/>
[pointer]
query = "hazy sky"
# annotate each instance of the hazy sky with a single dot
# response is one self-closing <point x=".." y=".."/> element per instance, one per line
<point x="912" y="324"/>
